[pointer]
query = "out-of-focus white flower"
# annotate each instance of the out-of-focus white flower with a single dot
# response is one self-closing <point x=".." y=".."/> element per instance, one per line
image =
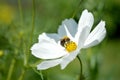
<point x="63" y="47"/>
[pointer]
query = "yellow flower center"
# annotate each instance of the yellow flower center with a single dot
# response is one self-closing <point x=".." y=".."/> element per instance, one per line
<point x="68" y="44"/>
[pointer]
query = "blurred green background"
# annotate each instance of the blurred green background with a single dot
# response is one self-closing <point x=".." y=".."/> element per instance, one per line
<point x="21" y="21"/>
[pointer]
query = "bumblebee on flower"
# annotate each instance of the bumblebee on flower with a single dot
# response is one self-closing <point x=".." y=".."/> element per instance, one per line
<point x="68" y="44"/>
<point x="63" y="47"/>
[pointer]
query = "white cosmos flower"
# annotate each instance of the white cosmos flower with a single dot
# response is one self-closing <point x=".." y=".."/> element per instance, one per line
<point x="63" y="47"/>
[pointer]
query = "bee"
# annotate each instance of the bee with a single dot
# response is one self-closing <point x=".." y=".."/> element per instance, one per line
<point x="68" y="44"/>
<point x="64" y="41"/>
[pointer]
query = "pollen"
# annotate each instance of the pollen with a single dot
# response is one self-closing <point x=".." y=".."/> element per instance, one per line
<point x="70" y="46"/>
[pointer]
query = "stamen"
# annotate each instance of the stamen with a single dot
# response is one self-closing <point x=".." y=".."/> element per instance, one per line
<point x="71" y="46"/>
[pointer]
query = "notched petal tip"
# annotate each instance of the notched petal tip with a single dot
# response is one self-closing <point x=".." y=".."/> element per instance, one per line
<point x="102" y="27"/>
<point x="85" y="11"/>
<point x="102" y="23"/>
<point x="86" y="19"/>
<point x="42" y="37"/>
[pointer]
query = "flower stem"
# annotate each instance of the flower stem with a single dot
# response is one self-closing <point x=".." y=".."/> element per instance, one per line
<point x="39" y="73"/>
<point x="81" y="77"/>
<point x="11" y="69"/>
<point x="20" y="10"/>
<point x="33" y="20"/>
<point x="77" y="9"/>
<point x="22" y="75"/>
<point x="32" y="32"/>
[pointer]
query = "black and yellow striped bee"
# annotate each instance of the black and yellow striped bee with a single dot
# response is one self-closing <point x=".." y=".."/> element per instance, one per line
<point x="64" y="41"/>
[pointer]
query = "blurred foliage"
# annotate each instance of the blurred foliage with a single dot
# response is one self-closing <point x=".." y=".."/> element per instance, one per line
<point x="99" y="63"/>
<point x="6" y="13"/>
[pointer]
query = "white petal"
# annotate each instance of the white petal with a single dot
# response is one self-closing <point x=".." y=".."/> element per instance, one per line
<point x="68" y="33"/>
<point x="71" y="26"/>
<point x="48" y="64"/>
<point x="47" y="49"/>
<point x="68" y="58"/>
<point x="84" y="27"/>
<point x="54" y="36"/>
<point x="81" y="37"/>
<point x="86" y="19"/>
<point x="43" y="37"/>
<point x="96" y="36"/>
<point x="46" y="36"/>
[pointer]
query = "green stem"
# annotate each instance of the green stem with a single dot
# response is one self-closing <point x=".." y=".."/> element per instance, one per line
<point x="81" y="77"/>
<point x="22" y="75"/>
<point x="39" y="73"/>
<point x="11" y="69"/>
<point x="20" y="10"/>
<point x="32" y="32"/>
<point x="33" y="20"/>
<point x="77" y="9"/>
